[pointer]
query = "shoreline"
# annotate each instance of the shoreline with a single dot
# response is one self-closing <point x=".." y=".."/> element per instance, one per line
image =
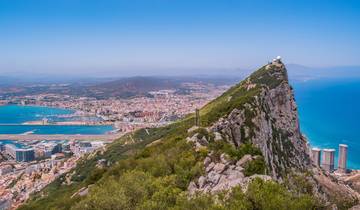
<point x="66" y="123"/>
<point x="73" y="113"/>
<point x="350" y="164"/>
<point x="61" y="137"/>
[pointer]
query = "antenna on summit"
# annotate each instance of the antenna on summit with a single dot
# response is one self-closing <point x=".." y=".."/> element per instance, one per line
<point x="277" y="59"/>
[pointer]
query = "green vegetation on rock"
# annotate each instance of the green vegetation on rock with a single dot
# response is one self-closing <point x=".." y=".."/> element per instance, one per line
<point x="145" y="175"/>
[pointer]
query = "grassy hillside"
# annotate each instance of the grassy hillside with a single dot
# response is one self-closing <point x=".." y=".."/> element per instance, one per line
<point x="156" y="176"/>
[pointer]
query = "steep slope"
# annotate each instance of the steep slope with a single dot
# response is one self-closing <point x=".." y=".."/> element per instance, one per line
<point x="269" y="120"/>
<point x="249" y="140"/>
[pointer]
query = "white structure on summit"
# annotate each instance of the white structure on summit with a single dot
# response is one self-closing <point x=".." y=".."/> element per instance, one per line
<point x="277" y="59"/>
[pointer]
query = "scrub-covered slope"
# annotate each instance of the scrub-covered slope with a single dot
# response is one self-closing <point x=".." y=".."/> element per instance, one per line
<point x="247" y="143"/>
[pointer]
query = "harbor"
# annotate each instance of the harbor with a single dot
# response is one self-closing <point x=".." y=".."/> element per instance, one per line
<point x="69" y="137"/>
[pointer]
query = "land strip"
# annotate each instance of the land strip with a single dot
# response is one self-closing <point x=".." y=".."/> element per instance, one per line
<point x="81" y="137"/>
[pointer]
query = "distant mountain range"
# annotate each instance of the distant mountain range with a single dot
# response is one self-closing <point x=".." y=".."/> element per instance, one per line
<point x="141" y="85"/>
<point x="106" y="88"/>
<point x="129" y="87"/>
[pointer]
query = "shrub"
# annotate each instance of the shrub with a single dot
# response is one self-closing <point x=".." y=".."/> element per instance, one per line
<point x="256" y="166"/>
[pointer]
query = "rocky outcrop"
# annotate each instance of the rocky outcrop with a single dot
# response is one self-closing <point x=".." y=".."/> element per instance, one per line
<point x="270" y="121"/>
<point x="265" y="115"/>
<point x="223" y="175"/>
<point x="332" y="189"/>
<point x="198" y="141"/>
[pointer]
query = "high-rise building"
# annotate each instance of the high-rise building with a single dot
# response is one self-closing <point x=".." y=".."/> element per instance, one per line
<point x="342" y="158"/>
<point x="328" y="159"/>
<point x="315" y="156"/>
<point x="25" y="155"/>
<point x="20" y="154"/>
<point x="56" y="149"/>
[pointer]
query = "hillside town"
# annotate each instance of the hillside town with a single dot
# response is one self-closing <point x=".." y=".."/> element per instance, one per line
<point x="158" y="108"/>
<point x="27" y="167"/>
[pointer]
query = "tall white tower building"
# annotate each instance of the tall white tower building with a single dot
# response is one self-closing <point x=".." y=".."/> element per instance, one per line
<point x="342" y="158"/>
<point x="315" y="156"/>
<point x="328" y="159"/>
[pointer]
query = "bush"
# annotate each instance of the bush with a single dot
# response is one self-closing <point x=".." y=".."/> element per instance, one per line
<point x="256" y="166"/>
<point x="234" y="153"/>
<point x="269" y="195"/>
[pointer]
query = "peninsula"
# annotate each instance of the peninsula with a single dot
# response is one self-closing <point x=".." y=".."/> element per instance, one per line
<point x="246" y="144"/>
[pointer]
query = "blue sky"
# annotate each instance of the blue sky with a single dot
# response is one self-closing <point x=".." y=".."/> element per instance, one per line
<point x="174" y="36"/>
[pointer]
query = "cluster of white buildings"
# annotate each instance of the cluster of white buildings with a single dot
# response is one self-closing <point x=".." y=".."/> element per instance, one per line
<point x="18" y="154"/>
<point x="158" y="108"/>
<point x="21" y="178"/>
<point x="327" y="160"/>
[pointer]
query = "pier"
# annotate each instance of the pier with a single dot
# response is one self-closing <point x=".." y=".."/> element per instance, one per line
<point x="80" y="137"/>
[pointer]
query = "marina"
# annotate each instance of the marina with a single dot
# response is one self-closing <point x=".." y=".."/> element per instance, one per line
<point x="61" y="137"/>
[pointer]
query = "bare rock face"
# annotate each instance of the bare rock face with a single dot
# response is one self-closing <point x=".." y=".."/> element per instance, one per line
<point x="265" y="115"/>
<point x="197" y="141"/>
<point x="222" y="175"/>
<point x="244" y="160"/>
<point x="270" y="121"/>
<point x="333" y="189"/>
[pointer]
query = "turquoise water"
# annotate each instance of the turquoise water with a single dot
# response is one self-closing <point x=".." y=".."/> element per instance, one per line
<point x="21" y="114"/>
<point x="20" y="144"/>
<point x="329" y="111"/>
<point x="13" y="114"/>
<point x="16" y="143"/>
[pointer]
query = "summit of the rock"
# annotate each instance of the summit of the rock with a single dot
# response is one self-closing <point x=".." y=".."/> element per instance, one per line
<point x="261" y="110"/>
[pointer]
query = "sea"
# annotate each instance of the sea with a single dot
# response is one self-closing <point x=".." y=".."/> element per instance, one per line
<point x="12" y="117"/>
<point x="329" y="111"/>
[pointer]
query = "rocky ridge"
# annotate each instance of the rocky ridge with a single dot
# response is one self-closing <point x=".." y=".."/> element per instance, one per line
<point x="269" y="121"/>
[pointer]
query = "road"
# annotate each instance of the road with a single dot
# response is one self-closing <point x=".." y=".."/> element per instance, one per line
<point x="102" y="137"/>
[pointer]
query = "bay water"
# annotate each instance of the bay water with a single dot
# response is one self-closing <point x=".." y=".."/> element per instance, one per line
<point x="329" y="111"/>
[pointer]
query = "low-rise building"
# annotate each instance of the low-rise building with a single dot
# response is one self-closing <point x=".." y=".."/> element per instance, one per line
<point x="5" y="204"/>
<point x="5" y="169"/>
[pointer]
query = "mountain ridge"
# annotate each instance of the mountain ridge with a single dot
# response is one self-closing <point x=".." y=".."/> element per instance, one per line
<point x="250" y="137"/>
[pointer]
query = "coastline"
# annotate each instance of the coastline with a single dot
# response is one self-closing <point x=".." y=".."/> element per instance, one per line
<point x="329" y="115"/>
<point x="79" y="120"/>
<point x="38" y="122"/>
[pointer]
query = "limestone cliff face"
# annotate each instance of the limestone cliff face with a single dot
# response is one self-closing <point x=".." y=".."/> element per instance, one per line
<point x="262" y="111"/>
<point x="270" y="121"/>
